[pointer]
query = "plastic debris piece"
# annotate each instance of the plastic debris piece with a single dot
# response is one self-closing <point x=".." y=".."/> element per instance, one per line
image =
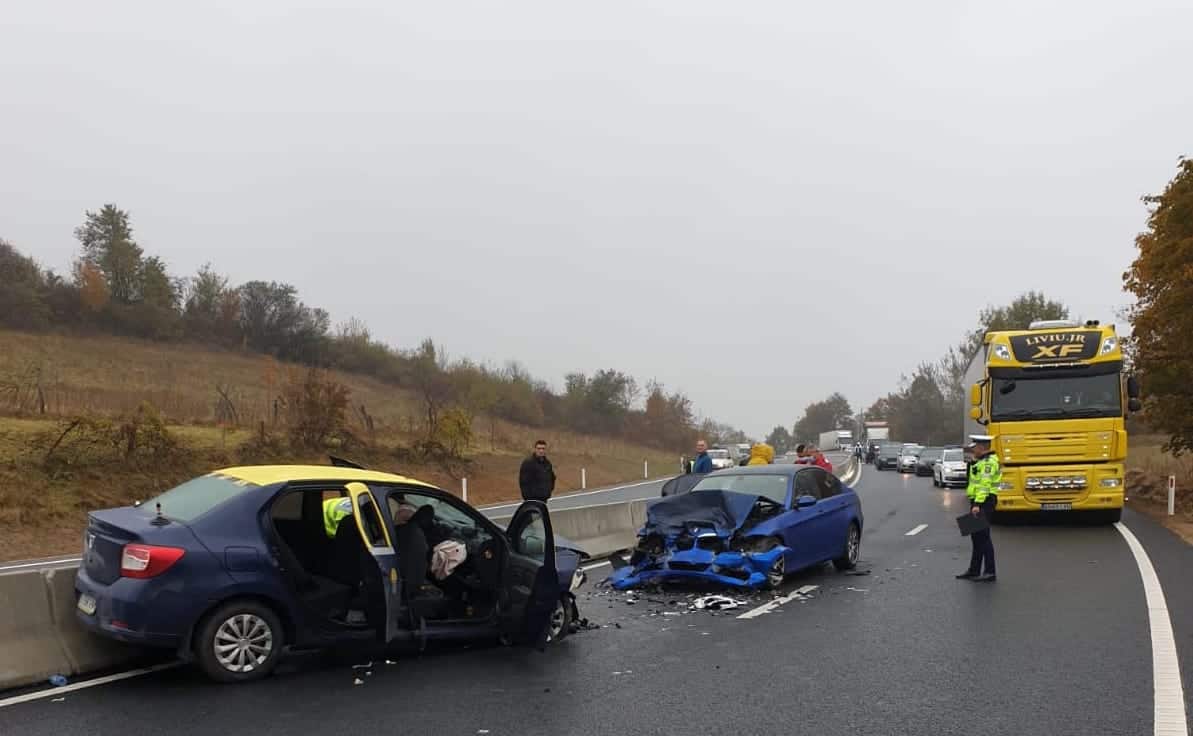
<point x="390" y="661"/>
<point x="358" y="681"/>
<point x="58" y="700"/>
<point x="857" y="590"/>
<point x="858" y="572"/>
<point x="57" y="680"/>
<point x="368" y="666"/>
<point x="717" y="603"/>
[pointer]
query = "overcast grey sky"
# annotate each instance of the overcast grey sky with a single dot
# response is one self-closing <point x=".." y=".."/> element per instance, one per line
<point x="759" y="203"/>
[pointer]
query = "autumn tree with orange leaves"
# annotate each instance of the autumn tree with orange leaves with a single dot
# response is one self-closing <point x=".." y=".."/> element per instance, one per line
<point x="1161" y="278"/>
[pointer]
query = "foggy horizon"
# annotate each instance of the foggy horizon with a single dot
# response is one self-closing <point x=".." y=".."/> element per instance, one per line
<point x="756" y="210"/>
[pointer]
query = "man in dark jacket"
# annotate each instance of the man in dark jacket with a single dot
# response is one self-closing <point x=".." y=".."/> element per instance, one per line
<point x="702" y="463"/>
<point x="536" y="477"/>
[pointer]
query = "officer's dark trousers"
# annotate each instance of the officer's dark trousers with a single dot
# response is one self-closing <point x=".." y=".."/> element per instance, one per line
<point x="983" y="545"/>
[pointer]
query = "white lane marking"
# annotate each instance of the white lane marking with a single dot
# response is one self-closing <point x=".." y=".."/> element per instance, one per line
<point x="1169" y="709"/>
<point x="772" y="605"/>
<point x="565" y="496"/>
<point x="586" y="568"/>
<point x="56" y="692"/>
<point x="916" y="530"/>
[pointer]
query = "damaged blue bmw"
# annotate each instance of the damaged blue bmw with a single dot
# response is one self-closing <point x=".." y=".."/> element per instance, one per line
<point x="747" y="527"/>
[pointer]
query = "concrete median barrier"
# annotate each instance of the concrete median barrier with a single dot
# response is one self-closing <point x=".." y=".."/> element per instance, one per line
<point x="29" y="646"/>
<point x="85" y="652"/>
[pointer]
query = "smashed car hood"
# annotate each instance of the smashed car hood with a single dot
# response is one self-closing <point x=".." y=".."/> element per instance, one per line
<point x="723" y="511"/>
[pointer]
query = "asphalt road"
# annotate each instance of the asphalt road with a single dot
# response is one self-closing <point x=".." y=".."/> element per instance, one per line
<point x="1060" y="645"/>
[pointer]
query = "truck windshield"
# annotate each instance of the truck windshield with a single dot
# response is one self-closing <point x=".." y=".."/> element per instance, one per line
<point x="1056" y="398"/>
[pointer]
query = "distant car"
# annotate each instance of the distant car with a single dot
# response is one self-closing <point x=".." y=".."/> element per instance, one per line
<point x="951" y="470"/>
<point x="747" y="528"/>
<point x="887" y="457"/>
<point x="721" y="458"/>
<point x="233" y="567"/>
<point x="908" y="455"/>
<point x="928" y="456"/>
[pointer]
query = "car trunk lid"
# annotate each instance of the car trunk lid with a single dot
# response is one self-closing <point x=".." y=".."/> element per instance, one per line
<point x="109" y="530"/>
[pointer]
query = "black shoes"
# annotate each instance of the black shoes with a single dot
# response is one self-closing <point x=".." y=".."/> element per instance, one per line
<point x="967" y="575"/>
<point x="987" y="578"/>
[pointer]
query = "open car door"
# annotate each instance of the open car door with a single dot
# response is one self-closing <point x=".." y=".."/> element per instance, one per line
<point x="531" y="578"/>
<point x="383" y="591"/>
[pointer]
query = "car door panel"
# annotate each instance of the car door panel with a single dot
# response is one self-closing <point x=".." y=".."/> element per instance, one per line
<point x="377" y="536"/>
<point x="531" y="581"/>
<point x="808" y="530"/>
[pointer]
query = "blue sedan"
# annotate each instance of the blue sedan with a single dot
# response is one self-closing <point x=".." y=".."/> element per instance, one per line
<point x="747" y="528"/>
<point x="233" y="567"/>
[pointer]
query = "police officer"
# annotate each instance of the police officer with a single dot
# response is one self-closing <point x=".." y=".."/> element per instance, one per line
<point x="985" y="474"/>
<point x="335" y="510"/>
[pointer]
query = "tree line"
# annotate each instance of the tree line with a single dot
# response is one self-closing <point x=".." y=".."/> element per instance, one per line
<point x="116" y="288"/>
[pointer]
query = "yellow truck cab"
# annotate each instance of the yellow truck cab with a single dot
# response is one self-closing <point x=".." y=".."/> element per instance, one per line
<point x="1055" y="398"/>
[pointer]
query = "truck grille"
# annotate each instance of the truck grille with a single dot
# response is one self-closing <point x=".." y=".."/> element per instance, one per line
<point x="1054" y="488"/>
<point x="1056" y="447"/>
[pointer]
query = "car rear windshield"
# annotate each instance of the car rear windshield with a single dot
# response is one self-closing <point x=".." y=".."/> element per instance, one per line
<point x="718" y="453"/>
<point x="196" y="497"/>
<point x="773" y="487"/>
<point x="952" y="456"/>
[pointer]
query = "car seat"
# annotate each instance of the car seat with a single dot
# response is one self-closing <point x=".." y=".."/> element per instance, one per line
<point x="422" y="598"/>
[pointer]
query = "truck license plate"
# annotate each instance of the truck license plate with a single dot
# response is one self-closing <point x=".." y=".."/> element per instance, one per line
<point x="86" y="604"/>
<point x="1056" y="507"/>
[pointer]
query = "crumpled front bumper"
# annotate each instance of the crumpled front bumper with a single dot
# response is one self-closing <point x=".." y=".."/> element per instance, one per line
<point x="731" y="569"/>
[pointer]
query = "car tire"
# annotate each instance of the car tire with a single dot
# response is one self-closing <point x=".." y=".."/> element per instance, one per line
<point x="254" y="633"/>
<point x="561" y="619"/>
<point x="853" y="548"/>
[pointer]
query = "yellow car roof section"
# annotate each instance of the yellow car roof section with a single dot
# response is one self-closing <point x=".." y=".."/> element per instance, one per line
<point x="266" y="475"/>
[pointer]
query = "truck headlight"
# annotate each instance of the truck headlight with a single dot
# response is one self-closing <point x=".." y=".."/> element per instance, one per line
<point x="1109" y="344"/>
<point x="1006" y="486"/>
<point x="1001" y="352"/>
<point x="1111" y="482"/>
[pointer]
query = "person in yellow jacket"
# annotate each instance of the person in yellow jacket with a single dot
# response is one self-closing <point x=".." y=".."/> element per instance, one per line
<point x="335" y="510"/>
<point x="985" y="476"/>
<point x="761" y="454"/>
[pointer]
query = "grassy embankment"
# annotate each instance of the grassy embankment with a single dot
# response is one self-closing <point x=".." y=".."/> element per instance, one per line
<point x="43" y="506"/>
<point x="1148" y="468"/>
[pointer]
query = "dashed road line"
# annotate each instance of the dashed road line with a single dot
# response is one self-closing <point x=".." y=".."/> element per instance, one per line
<point x="1169" y="694"/>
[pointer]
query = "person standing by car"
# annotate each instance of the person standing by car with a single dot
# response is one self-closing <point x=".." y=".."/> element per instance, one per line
<point x="335" y="510"/>
<point x="761" y="454"/>
<point x="536" y="478"/>
<point x="985" y="475"/>
<point x="702" y="463"/>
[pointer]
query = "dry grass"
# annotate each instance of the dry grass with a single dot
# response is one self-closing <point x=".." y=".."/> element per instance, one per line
<point x="41" y="514"/>
<point x="1148" y="470"/>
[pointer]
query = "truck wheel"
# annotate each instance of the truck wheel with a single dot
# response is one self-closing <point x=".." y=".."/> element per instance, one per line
<point x="240" y="641"/>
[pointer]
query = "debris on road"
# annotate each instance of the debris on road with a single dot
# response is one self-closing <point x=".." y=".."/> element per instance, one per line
<point x="857" y="572"/>
<point x="716" y="603"/>
<point x="58" y="680"/>
<point x="358" y="681"/>
<point x="857" y="590"/>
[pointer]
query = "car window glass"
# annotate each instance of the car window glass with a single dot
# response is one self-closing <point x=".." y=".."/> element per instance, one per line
<point x="530" y="540"/>
<point x="196" y="497"/>
<point x="806" y="485"/>
<point x="829" y="484"/>
<point x="287" y="508"/>
<point x="772" y="486"/>
<point x="370" y="519"/>
<point x="450" y="522"/>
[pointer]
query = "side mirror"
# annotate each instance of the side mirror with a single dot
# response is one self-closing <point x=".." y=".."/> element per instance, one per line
<point x="975" y="395"/>
<point x="975" y="413"/>
<point x="1134" y="404"/>
<point x="804" y="502"/>
<point x="1133" y="388"/>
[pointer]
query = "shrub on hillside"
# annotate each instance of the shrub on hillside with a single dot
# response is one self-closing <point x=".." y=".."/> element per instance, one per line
<point x="137" y="440"/>
<point x="316" y="408"/>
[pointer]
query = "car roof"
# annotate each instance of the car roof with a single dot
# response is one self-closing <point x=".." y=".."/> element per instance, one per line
<point x="265" y="475"/>
<point x="770" y="469"/>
